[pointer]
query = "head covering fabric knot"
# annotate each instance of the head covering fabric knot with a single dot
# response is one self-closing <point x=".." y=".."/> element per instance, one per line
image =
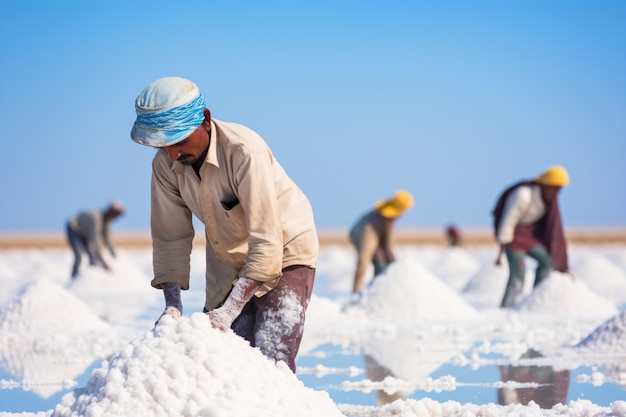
<point x="168" y="111"/>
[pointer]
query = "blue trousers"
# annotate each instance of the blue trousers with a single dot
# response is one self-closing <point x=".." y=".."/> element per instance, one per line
<point x="517" y="272"/>
<point x="78" y="245"/>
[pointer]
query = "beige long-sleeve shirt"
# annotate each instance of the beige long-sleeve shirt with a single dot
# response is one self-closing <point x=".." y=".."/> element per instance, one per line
<point x="257" y="221"/>
<point x="522" y="207"/>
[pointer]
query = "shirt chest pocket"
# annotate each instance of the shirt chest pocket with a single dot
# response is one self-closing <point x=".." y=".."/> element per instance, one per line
<point x="230" y="204"/>
<point x="232" y="220"/>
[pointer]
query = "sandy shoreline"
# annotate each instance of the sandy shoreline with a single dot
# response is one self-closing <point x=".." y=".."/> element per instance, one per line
<point x="471" y="237"/>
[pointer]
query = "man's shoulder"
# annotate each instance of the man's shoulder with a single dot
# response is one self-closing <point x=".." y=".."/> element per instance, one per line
<point x="522" y="194"/>
<point x="238" y="136"/>
<point x="230" y="126"/>
<point x="161" y="160"/>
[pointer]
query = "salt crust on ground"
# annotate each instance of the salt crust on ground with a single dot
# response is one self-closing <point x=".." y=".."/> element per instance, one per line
<point x="429" y="408"/>
<point x="608" y="338"/>
<point x="186" y="368"/>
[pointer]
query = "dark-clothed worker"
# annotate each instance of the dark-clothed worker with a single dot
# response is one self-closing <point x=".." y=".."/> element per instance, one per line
<point x="527" y="222"/>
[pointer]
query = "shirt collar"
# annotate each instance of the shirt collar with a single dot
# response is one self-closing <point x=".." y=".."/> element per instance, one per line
<point x="211" y="155"/>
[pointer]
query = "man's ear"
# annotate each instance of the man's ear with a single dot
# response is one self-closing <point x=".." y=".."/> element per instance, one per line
<point x="207" y="119"/>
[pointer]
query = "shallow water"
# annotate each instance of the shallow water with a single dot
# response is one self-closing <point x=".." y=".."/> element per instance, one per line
<point x="477" y="386"/>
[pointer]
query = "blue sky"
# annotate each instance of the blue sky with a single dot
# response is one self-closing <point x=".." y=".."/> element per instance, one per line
<point x="451" y="100"/>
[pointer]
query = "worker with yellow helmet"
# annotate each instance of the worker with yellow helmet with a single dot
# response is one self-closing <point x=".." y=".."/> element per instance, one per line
<point x="371" y="235"/>
<point x="527" y="222"/>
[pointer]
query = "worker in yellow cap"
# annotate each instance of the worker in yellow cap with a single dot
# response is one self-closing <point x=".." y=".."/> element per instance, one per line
<point x="527" y="222"/>
<point x="371" y="235"/>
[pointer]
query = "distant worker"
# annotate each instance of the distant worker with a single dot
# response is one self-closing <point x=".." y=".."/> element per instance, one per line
<point x="453" y="235"/>
<point x="88" y="231"/>
<point x="527" y="221"/>
<point x="371" y="236"/>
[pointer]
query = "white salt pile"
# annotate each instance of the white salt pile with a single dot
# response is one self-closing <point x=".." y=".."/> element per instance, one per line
<point x="407" y="291"/>
<point x="43" y="307"/>
<point x="608" y="343"/>
<point x="562" y="294"/>
<point x="48" y="335"/>
<point x="486" y="287"/>
<point x="609" y="338"/>
<point x="186" y="368"/>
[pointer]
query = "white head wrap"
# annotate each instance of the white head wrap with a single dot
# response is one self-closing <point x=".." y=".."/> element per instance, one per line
<point x="168" y="110"/>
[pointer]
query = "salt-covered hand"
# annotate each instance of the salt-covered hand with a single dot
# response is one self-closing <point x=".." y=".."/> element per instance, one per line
<point x="222" y="317"/>
<point x="173" y="305"/>
<point x="173" y="312"/>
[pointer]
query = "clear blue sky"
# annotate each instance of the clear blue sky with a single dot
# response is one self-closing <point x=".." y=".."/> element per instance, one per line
<point x="451" y="100"/>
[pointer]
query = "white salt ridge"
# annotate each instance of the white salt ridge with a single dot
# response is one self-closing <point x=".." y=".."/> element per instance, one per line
<point x="562" y="294"/>
<point x="187" y="368"/>
<point x="430" y="408"/>
<point x="407" y="290"/>
<point x="607" y="345"/>
<point x="48" y="335"/>
<point x="609" y="338"/>
<point x="486" y="287"/>
<point x="43" y="307"/>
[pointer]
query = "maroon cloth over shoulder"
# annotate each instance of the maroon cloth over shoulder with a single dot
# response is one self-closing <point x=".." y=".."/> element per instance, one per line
<point x="548" y="230"/>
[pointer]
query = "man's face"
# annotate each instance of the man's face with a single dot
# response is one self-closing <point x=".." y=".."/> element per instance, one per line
<point x="191" y="149"/>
